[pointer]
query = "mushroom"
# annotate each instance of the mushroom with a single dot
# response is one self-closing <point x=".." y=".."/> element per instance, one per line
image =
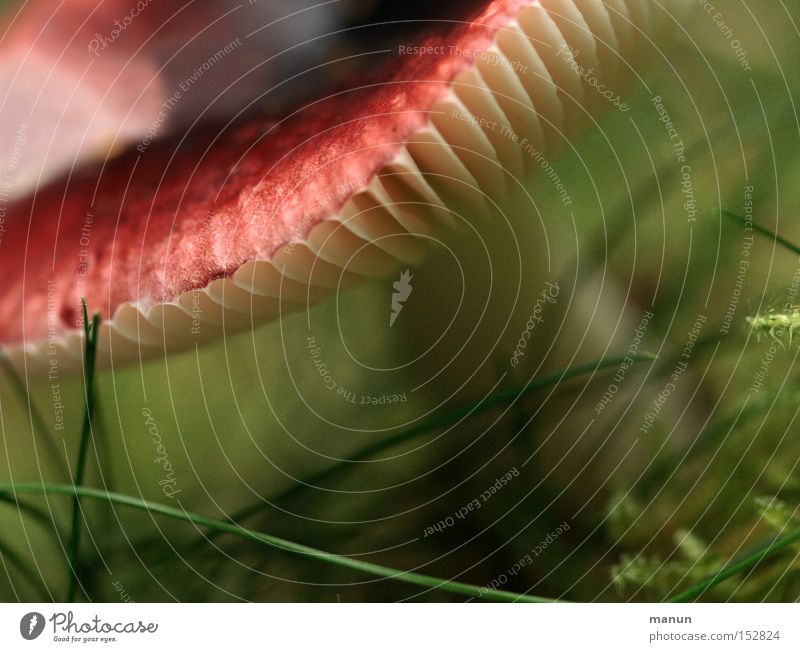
<point x="182" y="239"/>
<point x="186" y="238"/>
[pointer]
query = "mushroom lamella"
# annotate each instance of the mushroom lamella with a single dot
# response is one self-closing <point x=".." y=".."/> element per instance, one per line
<point x="239" y="225"/>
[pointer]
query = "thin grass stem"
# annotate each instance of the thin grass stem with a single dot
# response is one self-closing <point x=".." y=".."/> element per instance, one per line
<point x="764" y="231"/>
<point x="749" y="562"/>
<point x="277" y="543"/>
<point x="90" y="350"/>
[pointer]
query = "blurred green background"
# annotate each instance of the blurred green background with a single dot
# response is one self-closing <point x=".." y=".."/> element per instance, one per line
<point x="649" y="514"/>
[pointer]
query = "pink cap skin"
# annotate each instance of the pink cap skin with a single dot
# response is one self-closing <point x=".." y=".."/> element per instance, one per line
<point x="82" y="79"/>
<point x="238" y="203"/>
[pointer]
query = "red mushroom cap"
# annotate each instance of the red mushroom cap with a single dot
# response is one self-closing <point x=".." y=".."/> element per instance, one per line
<point x="238" y="218"/>
<point x="84" y="79"/>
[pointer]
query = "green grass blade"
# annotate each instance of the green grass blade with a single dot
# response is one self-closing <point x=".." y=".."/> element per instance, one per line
<point x="749" y="562"/>
<point x="765" y="231"/>
<point x="90" y="350"/>
<point x="448" y="418"/>
<point x="277" y="543"/>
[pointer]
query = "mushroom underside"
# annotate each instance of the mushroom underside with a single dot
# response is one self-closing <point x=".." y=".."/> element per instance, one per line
<point x="500" y="117"/>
